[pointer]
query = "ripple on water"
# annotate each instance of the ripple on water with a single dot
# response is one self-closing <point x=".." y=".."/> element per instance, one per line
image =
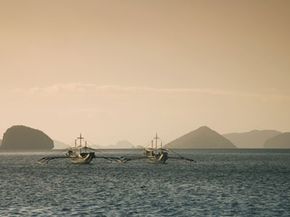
<point x="220" y="184"/>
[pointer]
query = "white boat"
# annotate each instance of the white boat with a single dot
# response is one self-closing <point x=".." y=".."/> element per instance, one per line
<point x="154" y="153"/>
<point x="80" y="153"/>
<point x="157" y="154"/>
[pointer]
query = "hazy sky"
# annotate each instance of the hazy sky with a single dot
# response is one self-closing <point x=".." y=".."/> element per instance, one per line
<point x="125" y="69"/>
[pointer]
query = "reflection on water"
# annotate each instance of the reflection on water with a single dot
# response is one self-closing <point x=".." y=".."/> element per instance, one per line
<point x="221" y="183"/>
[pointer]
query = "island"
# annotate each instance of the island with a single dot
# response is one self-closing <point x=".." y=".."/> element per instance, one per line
<point x="202" y="138"/>
<point x="251" y="139"/>
<point x="281" y="141"/>
<point x="23" y="138"/>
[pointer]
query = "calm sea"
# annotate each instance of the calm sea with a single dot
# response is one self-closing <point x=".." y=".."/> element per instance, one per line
<point x="221" y="183"/>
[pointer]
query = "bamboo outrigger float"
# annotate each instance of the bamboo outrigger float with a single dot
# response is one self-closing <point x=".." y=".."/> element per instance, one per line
<point x="80" y="153"/>
<point x="157" y="154"/>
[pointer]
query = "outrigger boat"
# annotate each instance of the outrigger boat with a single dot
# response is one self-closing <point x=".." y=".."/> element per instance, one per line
<point x="80" y="154"/>
<point x="157" y="154"/>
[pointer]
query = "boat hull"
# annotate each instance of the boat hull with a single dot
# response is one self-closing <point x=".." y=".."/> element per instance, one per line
<point x="83" y="158"/>
<point x="158" y="159"/>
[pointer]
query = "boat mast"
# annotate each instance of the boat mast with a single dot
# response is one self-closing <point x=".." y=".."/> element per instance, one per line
<point x="156" y="138"/>
<point x="80" y="138"/>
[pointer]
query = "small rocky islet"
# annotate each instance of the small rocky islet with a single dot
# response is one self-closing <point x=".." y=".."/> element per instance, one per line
<point x="23" y="138"/>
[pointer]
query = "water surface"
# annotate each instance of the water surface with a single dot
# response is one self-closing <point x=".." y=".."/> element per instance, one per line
<point x="221" y="183"/>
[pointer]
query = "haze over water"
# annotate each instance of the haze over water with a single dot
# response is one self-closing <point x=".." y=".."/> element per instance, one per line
<point x="221" y="183"/>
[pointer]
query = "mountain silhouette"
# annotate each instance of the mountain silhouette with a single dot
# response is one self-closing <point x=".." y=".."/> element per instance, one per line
<point x="22" y="138"/>
<point x="251" y="139"/>
<point x="202" y="138"/>
<point x="60" y="145"/>
<point x="279" y="141"/>
<point x="122" y="144"/>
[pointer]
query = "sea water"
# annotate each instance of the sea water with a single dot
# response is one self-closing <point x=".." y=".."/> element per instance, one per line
<point x="220" y="183"/>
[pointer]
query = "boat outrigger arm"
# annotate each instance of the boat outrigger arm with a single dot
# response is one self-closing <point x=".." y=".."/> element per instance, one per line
<point x="157" y="154"/>
<point x="46" y="159"/>
<point x="180" y="157"/>
<point x="82" y="154"/>
<point x="133" y="158"/>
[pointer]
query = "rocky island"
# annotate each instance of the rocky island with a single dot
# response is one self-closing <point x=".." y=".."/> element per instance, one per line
<point x="23" y="138"/>
<point x="202" y="138"/>
<point x="281" y="141"/>
<point x="251" y="139"/>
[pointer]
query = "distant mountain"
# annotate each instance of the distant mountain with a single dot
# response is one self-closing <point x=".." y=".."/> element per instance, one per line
<point x="279" y="141"/>
<point x="202" y="138"/>
<point x="252" y="139"/>
<point x="122" y="144"/>
<point x="60" y="145"/>
<point x="22" y="138"/>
